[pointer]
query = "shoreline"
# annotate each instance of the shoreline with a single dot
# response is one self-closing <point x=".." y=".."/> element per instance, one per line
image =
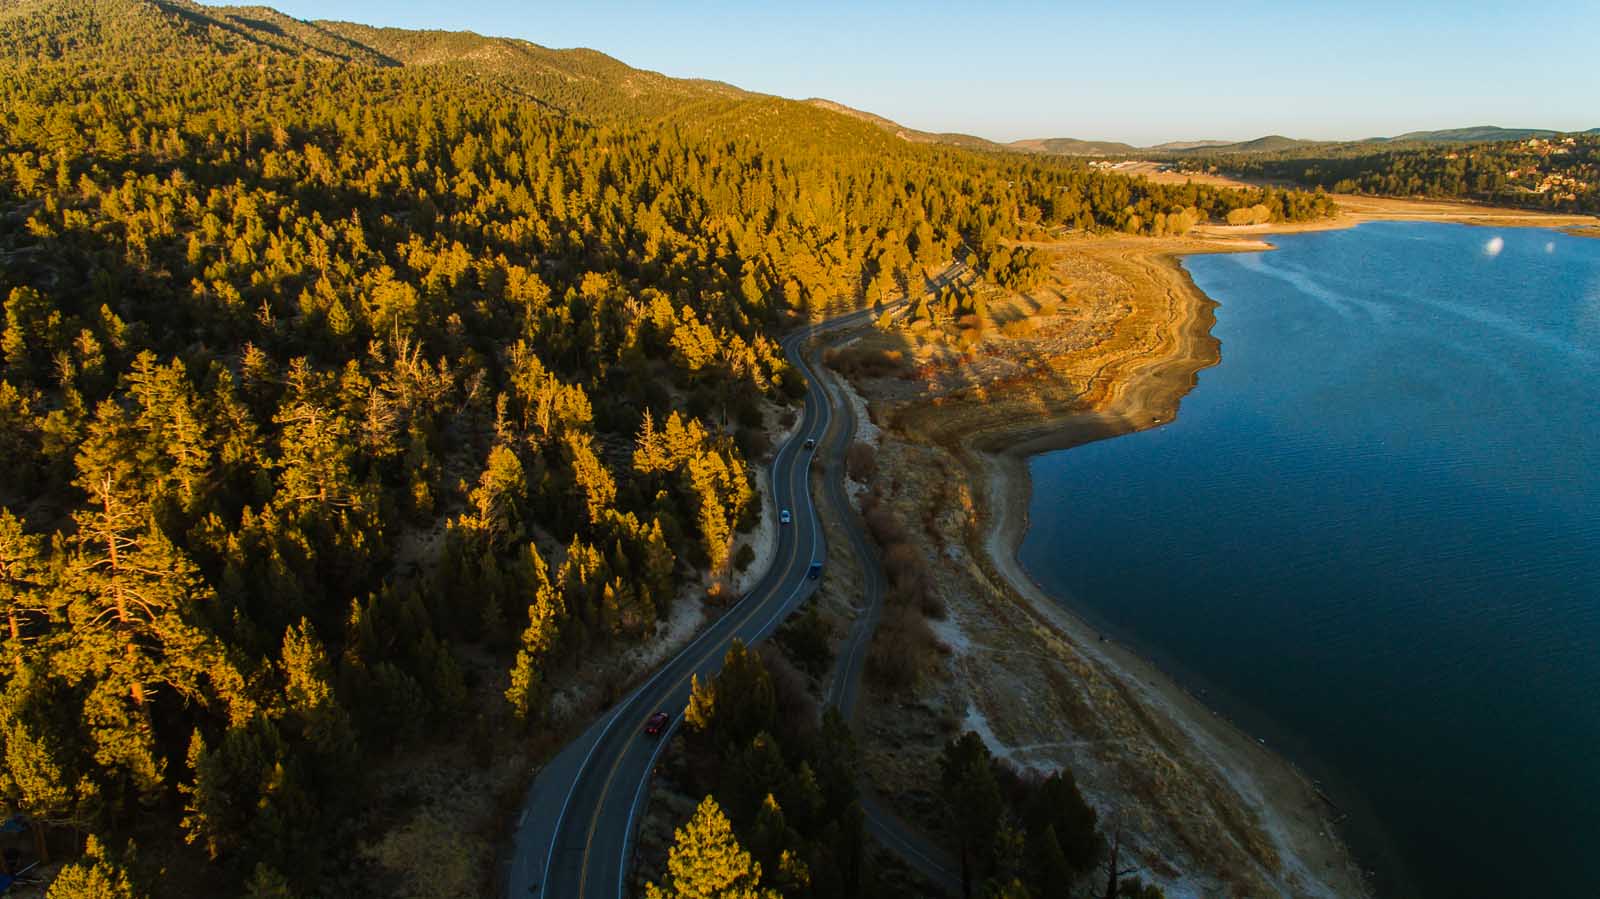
<point x="1134" y="378"/>
<point x="1355" y="209"/>
<point x="1288" y="803"/>
<point x="1137" y="392"/>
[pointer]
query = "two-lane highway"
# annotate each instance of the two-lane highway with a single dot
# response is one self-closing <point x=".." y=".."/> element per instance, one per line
<point x="580" y="847"/>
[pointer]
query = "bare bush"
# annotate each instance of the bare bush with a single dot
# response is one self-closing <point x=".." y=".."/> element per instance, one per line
<point x="903" y="565"/>
<point x="1020" y="329"/>
<point x="905" y="651"/>
<point x="789" y="687"/>
<point x="861" y="461"/>
<point x="882" y="524"/>
<point x="864" y="362"/>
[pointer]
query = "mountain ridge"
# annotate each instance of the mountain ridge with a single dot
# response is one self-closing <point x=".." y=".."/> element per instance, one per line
<point x="580" y="82"/>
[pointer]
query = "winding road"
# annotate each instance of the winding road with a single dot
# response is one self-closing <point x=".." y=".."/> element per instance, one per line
<point x="574" y="837"/>
<point x="935" y="865"/>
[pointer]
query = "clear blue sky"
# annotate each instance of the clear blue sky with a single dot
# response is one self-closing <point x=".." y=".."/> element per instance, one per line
<point x="1142" y="72"/>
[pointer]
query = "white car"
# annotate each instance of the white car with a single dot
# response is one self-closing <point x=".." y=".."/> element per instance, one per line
<point x="784" y="517"/>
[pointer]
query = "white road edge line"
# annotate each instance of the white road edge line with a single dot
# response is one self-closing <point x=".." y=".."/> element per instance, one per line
<point x="666" y="735"/>
<point x="760" y="632"/>
<point x="544" y="875"/>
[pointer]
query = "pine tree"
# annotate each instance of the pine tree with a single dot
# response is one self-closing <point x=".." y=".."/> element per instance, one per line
<point x="707" y="862"/>
<point x="94" y="876"/>
<point x="538" y="640"/>
<point x="308" y="688"/>
<point x="701" y="713"/>
<point x="39" y="775"/>
<point x="127" y="595"/>
<point x="176" y="447"/>
<point x="590" y="475"/>
<point x="973" y="801"/>
<point x="500" y="495"/>
<point x="316" y="448"/>
<point x="24" y="585"/>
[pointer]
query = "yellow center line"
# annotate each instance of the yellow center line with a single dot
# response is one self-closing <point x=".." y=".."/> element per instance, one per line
<point x="605" y="789"/>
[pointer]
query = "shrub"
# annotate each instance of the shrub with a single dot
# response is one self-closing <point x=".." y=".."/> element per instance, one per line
<point x="1019" y="329"/>
<point x="862" y="362"/>
<point x="797" y="710"/>
<point x="753" y="442"/>
<point x="808" y="640"/>
<point x="861" y="461"/>
<point x="904" y="652"/>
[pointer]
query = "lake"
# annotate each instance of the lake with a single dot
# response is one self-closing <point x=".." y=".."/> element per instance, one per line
<point x="1372" y="534"/>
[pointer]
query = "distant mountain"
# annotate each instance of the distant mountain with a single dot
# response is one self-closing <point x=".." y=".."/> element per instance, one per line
<point x="1069" y="146"/>
<point x="1058" y="146"/>
<point x="1277" y="143"/>
<point x="1477" y="134"/>
<point x="1189" y="145"/>
<point x="1272" y="143"/>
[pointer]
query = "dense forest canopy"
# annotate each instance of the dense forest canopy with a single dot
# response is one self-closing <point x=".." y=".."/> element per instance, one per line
<point x="350" y="376"/>
<point x="1558" y="173"/>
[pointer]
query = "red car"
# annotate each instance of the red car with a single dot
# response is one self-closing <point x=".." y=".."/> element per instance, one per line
<point x="656" y="724"/>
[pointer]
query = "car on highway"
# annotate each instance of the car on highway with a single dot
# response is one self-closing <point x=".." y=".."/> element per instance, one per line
<point x="784" y="517"/>
<point x="811" y="443"/>
<point x="656" y="724"/>
<point x="815" y="571"/>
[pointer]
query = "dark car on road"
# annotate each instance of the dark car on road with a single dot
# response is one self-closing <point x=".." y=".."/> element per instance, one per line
<point x="784" y="517"/>
<point x="811" y="443"/>
<point x="815" y="571"/>
<point x="656" y="724"/>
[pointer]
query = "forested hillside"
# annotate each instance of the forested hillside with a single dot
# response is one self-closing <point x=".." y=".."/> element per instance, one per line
<point x="1560" y="173"/>
<point x="360" y="385"/>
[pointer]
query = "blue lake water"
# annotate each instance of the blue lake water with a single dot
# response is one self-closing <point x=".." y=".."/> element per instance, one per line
<point x="1372" y="534"/>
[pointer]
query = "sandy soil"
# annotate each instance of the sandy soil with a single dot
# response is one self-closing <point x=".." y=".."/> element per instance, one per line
<point x="1111" y="346"/>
